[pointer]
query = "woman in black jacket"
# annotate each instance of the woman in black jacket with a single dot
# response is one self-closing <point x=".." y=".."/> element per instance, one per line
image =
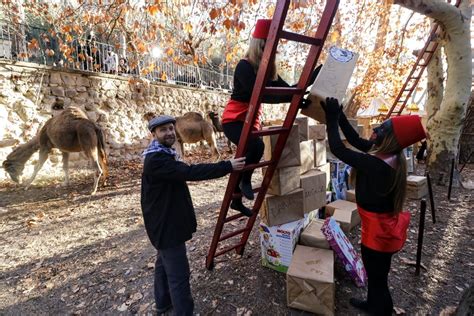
<point x="380" y="175"/>
<point x="236" y="109"/>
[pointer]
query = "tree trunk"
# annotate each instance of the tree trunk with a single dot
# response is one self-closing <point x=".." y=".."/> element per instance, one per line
<point x="446" y="124"/>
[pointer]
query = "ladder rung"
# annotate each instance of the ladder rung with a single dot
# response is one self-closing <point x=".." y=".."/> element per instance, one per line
<point x="282" y="91"/>
<point x="301" y="38"/>
<point x="233" y="217"/>
<point x="238" y="195"/>
<point x="414" y="78"/>
<point x="270" y="131"/>
<point x="429" y="51"/>
<point x="227" y="249"/>
<point x="234" y="233"/>
<point x="402" y="101"/>
<point x="423" y="65"/>
<point x="256" y="165"/>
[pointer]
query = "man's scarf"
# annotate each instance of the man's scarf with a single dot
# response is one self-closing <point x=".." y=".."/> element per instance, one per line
<point x="155" y="146"/>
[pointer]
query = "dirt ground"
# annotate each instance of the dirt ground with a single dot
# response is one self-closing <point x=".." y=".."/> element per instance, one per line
<point x="65" y="252"/>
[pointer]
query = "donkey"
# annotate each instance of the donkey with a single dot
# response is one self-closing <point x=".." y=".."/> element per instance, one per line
<point x="192" y="128"/>
<point x="69" y="131"/>
<point x="218" y="127"/>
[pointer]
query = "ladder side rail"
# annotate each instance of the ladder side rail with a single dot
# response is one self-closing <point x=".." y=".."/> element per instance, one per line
<point x="314" y="53"/>
<point x="420" y="56"/>
<point x="252" y="113"/>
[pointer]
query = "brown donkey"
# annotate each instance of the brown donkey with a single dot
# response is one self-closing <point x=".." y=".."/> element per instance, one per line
<point x="69" y="131"/>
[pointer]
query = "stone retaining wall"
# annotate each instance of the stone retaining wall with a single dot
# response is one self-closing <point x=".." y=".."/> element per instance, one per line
<point x="118" y="104"/>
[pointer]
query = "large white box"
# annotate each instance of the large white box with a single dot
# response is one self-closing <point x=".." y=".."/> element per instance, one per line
<point x="277" y="244"/>
<point x="332" y="81"/>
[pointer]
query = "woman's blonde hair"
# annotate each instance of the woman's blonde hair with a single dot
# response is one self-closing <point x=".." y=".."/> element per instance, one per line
<point x="254" y="56"/>
<point x="391" y="146"/>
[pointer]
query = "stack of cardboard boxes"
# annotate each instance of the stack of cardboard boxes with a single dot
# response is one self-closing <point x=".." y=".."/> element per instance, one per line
<point x="289" y="213"/>
<point x="296" y="192"/>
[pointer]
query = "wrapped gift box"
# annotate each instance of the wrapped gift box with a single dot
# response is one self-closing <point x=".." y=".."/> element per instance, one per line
<point x="290" y="157"/>
<point x="303" y="131"/>
<point x="312" y="236"/>
<point x="313" y="184"/>
<point x="277" y="210"/>
<point x="317" y="132"/>
<point x="332" y="81"/>
<point x="307" y="151"/>
<point x="320" y="153"/>
<point x="310" y="280"/>
<point x="284" y="180"/>
<point x="345" y="252"/>
<point x="417" y="187"/>
<point x="277" y="244"/>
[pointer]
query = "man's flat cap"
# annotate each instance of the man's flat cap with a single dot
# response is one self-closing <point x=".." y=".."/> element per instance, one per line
<point x="160" y="120"/>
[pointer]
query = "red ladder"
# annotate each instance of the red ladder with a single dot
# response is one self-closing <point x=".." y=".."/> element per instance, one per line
<point x="276" y="32"/>
<point x="423" y="59"/>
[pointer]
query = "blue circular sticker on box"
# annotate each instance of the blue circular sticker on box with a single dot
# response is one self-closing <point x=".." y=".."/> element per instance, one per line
<point x="340" y="54"/>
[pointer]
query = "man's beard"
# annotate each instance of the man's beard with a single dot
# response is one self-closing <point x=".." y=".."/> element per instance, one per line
<point x="168" y="141"/>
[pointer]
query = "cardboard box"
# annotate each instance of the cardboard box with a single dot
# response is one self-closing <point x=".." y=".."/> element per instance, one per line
<point x="347" y="219"/>
<point x="310" y="280"/>
<point x="307" y="151"/>
<point x="312" y="236"/>
<point x="317" y="132"/>
<point x="277" y="244"/>
<point x="284" y="180"/>
<point x="320" y="157"/>
<point x="326" y="168"/>
<point x="350" y="196"/>
<point x="339" y="204"/>
<point x="277" y="210"/>
<point x="332" y="81"/>
<point x="313" y="184"/>
<point x="290" y="157"/>
<point x="417" y="187"/>
<point x="303" y="131"/>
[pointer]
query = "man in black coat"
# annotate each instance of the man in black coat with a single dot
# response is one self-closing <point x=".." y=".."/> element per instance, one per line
<point x="169" y="214"/>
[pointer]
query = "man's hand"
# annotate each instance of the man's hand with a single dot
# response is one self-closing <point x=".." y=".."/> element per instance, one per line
<point x="332" y="108"/>
<point x="237" y="163"/>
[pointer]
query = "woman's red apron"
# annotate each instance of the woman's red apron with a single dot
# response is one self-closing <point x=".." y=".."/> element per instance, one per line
<point x="384" y="232"/>
<point x="237" y="111"/>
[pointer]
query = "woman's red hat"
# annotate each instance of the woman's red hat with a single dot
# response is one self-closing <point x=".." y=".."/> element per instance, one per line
<point x="408" y="129"/>
<point x="262" y="28"/>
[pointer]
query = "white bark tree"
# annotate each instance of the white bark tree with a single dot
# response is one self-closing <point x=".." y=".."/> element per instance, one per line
<point x="445" y="126"/>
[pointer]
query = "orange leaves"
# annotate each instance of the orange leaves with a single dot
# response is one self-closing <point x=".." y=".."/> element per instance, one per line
<point x="33" y="45"/>
<point x="169" y="51"/>
<point x="227" y="23"/>
<point x="188" y="27"/>
<point x="153" y="9"/>
<point x="214" y="13"/>
<point x="141" y="48"/>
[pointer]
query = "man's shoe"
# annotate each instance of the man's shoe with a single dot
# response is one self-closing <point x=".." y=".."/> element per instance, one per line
<point x="360" y="304"/>
<point x="163" y="310"/>
<point x="239" y="206"/>
<point x="246" y="188"/>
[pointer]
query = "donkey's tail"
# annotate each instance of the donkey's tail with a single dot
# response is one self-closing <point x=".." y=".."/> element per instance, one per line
<point x="101" y="150"/>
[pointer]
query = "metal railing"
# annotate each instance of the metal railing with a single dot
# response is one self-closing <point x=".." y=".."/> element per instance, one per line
<point x="36" y="45"/>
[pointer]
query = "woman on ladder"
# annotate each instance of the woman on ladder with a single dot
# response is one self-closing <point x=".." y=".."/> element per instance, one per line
<point x="380" y="172"/>
<point x="236" y="109"/>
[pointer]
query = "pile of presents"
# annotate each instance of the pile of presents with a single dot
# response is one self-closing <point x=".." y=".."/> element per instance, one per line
<point x="300" y="228"/>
